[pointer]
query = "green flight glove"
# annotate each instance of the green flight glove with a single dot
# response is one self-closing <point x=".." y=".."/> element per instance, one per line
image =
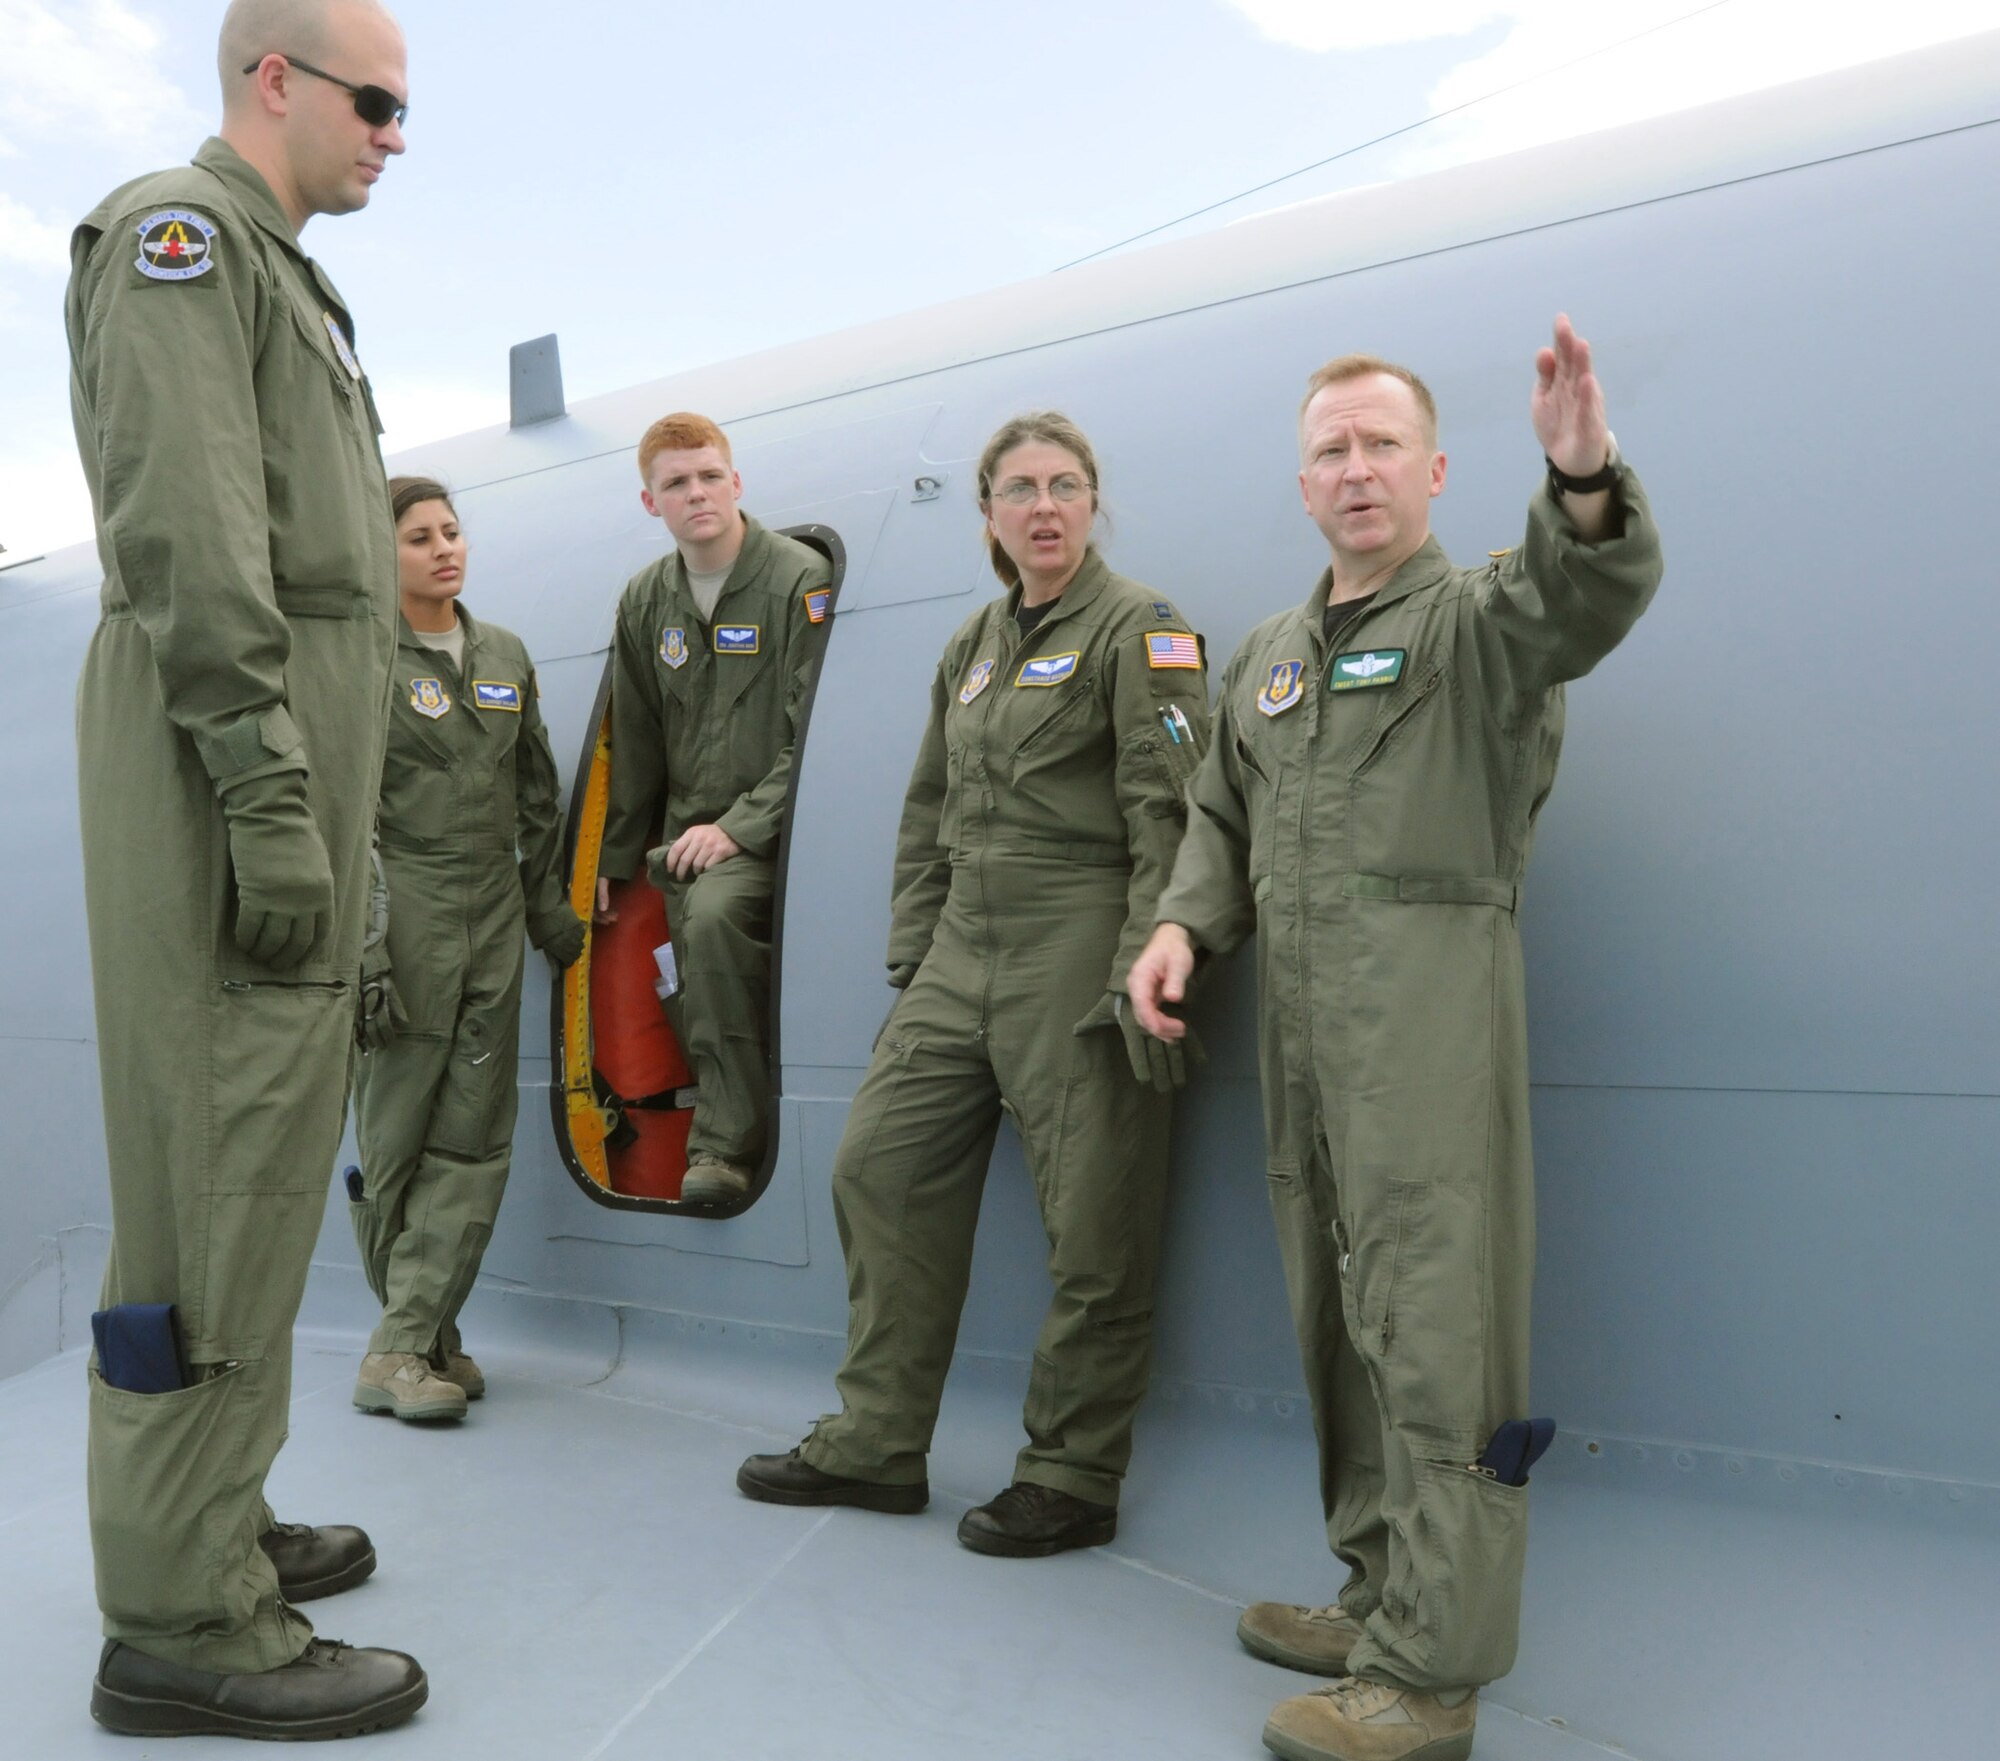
<point x="559" y="935"/>
<point x="1162" y="1063"/>
<point x="284" y="885"/>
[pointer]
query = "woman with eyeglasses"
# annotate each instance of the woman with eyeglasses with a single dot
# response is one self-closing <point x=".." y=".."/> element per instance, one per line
<point x="1041" y="822"/>
<point x="470" y="855"/>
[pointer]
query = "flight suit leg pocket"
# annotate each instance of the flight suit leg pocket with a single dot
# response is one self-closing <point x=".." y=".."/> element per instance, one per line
<point x="1421" y="1301"/>
<point x="172" y="1480"/>
<point x="1459" y="1597"/>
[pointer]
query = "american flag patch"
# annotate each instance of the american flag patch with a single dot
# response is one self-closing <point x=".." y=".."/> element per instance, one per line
<point x="1175" y="650"/>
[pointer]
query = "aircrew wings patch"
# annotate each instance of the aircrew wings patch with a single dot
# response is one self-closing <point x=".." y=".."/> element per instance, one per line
<point x="1173" y="650"/>
<point x="490" y="694"/>
<point x="1370" y="671"/>
<point x="737" y="638"/>
<point x="176" y="244"/>
<point x="1047" y="669"/>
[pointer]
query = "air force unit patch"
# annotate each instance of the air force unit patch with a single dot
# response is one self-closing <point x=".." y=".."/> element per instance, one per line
<point x="737" y="638"/>
<point x="429" y="697"/>
<point x="176" y="244"/>
<point x="976" y="681"/>
<point x="1283" y="688"/>
<point x="1366" y="672"/>
<point x="487" y="694"/>
<point x="816" y="603"/>
<point x="674" y="646"/>
<point x="1049" y="669"/>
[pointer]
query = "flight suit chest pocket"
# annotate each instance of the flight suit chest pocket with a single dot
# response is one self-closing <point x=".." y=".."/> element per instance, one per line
<point x="318" y="332"/>
<point x="742" y="658"/>
<point x="1403" y="710"/>
<point x="1045" y="711"/>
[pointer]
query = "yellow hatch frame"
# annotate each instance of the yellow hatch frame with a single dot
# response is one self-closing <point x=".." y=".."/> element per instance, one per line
<point x="588" y="1125"/>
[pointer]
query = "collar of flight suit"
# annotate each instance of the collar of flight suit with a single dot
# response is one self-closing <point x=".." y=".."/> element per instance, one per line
<point x="1426" y="566"/>
<point x="246" y="183"/>
<point x="407" y="635"/>
<point x="1084" y="586"/>
<point x="749" y="564"/>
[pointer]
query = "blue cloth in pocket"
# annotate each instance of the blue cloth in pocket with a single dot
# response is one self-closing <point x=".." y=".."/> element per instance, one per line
<point x="1515" y="1447"/>
<point x="139" y="1347"/>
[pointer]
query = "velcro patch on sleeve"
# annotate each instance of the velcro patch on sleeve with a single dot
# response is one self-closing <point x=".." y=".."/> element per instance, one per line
<point x="176" y="244"/>
<point x="1173" y="649"/>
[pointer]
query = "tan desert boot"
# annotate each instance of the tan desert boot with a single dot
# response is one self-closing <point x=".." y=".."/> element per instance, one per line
<point x="710" y="1180"/>
<point x="1357" y="1720"/>
<point x="1316" y="1640"/>
<point x="403" y="1383"/>
<point x="459" y="1368"/>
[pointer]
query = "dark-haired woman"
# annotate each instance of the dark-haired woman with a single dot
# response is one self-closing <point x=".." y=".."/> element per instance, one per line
<point x="1042" y="819"/>
<point x="470" y="855"/>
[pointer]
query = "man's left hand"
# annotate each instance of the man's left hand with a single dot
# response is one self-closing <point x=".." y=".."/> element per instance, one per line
<point x="699" y="849"/>
<point x="1568" y="405"/>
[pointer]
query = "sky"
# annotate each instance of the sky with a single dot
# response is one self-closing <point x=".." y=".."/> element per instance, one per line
<point x="672" y="184"/>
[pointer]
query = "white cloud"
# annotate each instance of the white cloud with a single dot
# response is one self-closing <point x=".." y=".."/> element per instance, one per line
<point x="416" y="412"/>
<point x="85" y="72"/>
<point x="44" y="501"/>
<point x="29" y="241"/>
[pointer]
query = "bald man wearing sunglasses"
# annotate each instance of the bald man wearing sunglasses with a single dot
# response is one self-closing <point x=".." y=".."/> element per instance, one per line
<point x="230" y="722"/>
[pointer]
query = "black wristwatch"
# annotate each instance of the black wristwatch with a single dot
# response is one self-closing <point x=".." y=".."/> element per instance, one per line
<point x="1562" y="483"/>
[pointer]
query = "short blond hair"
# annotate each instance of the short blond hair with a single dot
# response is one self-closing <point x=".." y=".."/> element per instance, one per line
<point x="683" y="431"/>
<point x="1345" y="367"/>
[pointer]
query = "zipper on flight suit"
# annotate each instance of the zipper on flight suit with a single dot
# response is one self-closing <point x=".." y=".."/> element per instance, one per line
<point x="1410" y="706"/>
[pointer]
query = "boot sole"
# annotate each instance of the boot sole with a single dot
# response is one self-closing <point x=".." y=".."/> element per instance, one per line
<point x="373" y="1400"/>
<point x="312" y="1589"/>
<point x="888" y="1500"/>
<point x="1271" y="1651"/>
<point x="1454" y="1748"/>
<point x="133" y="1715"/>
<point x="1000" y="1546"/>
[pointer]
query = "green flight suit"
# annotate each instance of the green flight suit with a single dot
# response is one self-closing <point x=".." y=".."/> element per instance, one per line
<point x="1369" y="813"/>
<point x="1041" y="822"/>
<point x="246" y="629"/>
<point x="704" y="718"/>
<point x="471" y="852"/>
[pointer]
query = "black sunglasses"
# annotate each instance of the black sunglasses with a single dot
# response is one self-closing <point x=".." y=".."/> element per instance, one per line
<point x="375" y="105"/>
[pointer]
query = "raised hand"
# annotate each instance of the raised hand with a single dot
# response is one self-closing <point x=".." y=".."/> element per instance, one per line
<point x="1568" y="405"/>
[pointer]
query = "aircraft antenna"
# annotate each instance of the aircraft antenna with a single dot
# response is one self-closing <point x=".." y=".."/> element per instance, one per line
<point x="1407" y="128"/>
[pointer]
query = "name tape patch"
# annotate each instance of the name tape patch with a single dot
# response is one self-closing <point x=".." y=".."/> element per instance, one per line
<point x="1176" y="650"/>
<point x="491" y="694"/>
<point x="737" y="638"/>
<point x="976" y="681"/>
<point x="1048" y="669"/>
<point x="429" y="697"/>
<point x="1368" y="671"/>
<point x="176" y="244"/>
<point x="1284" y="688"/>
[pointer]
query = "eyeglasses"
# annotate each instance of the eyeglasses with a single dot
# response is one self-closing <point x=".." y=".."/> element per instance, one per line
<point x="375" y="105"/>
<point x="1019" y="491"/>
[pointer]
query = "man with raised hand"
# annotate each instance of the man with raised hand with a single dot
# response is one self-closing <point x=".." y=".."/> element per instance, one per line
<point x="230" y="720"/>
<point x="1367" y="806"/>
<point x="714" y="652"/>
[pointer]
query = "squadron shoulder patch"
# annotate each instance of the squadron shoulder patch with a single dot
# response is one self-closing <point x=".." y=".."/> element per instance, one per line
<point x="429" y="697"/>
<point x="1285" y="687"/>
<point x="1173" y="650"/>
<point x="737" y="638"/>
<point x="816" y="603"/>
<point x="492" y="694"/>
<point x="1047" y="669"/>
<point x="1368" y="671"/>
<point x="674" y="646"/>
<point x="976" y="681"/>
<point x="341" y="346"/>
<point x="176" y="244"/>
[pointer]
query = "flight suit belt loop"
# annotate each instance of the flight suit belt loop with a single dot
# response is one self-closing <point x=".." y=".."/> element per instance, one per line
<point x="1414" y="889"/>
<point x="472" y="845"/>
<point x="1054" y="850"/>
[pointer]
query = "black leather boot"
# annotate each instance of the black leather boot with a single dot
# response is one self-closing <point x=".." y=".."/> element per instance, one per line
<point x="331" y="1690"/>
<point x="791" y="1479"/>
<point x="317" y="1562"/>
<point x="1028" y="1521"/>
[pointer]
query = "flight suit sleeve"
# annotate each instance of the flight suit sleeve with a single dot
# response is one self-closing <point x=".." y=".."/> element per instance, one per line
<point x="1159" y="718"/>
<point x="754" y="817"/>
<point x="1210" y="894"/>
<point x="1551" y="610"/>
<point x="638" y="743"/>
<point x="169" y="370"/>
<point x="923" y="860"/>
<point x="537" y="808"/>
